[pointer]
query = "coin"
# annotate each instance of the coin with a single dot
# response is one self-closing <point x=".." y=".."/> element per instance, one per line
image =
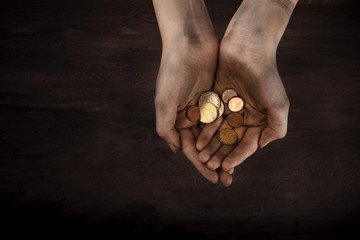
<point x="235" y="119"/>
<point x="221" y="109"/>
<point x="235" y="104"/>
<point x="193" y="113"/>
<point x="228" y="94"/>
<point x="210" y="97"/>
<point x="227" y="136"/>
<point x="208" y="112"/>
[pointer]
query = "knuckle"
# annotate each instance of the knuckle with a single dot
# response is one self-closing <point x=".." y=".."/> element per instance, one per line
<point x="252" y="147"/>
<point x="205" y="138"/>
<point x="207" y="135"/>
<point x="282" y="133"/>
<point x="213" y="179"/>
<point x="203" y="156"/>
<point x="282" y="104"/>
<point x="159" y="103"/>
<point x="213" y="164"/>
<point x="226" y="164"/>
<point x="162" y="104"/>
<point x="185" y="147"/>
<point x="161" y="132"/>
<point x="286" y="103"/>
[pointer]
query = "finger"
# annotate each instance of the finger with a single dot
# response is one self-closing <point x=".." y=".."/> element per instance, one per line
<point x="207" y="133"/>
<point x="224" y="150"/>
<point x="165" y="123"/>
<point x="225" y="178"/>
<point x="188" y="147"/>
<point x="213" y="146"/>
<point x="182" y="121"/>
<point x="216" y="160"/>
<point x="276" y="128"/>
<point x="240" y="131"/>
<point x="231" y="171"/>
<point x="246" y="148"/>
<point x="196" y="131"/>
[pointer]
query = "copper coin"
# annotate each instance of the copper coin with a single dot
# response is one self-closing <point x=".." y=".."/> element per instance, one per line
<point x="211" y="97"/>
<point x="235" y="104"/>
<point x="193" y="113"/>
<point x="208" y="112"/>
<point x="235" y="119"/>
<point x="228" y="94"/>
<point x="227" y="136"/>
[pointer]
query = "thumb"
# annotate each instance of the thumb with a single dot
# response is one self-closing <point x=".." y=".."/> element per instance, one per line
<point x="276" y="128"/>
<point x="165" y="123"/>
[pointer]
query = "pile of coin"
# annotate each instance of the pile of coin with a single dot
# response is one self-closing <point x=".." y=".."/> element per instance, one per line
<point x="211" y="107"/>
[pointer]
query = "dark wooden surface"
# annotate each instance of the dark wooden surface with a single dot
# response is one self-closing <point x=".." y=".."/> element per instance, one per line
<point x="79" y="151"/>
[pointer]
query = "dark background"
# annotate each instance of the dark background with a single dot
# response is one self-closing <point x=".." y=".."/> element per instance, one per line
<point x="78" y="147"/>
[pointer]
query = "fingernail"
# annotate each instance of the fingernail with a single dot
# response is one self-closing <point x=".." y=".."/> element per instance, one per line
<point x="172" y="147"/>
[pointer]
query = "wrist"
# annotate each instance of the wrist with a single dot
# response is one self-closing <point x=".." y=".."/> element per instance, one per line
<point x="262" y="22"/>
<point x="183" y="21"/>
<point x="187" y="42"/>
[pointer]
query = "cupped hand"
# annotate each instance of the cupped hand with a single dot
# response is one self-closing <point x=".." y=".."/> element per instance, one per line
<point x="187" y="70"/>
<point x="249" y="68"/>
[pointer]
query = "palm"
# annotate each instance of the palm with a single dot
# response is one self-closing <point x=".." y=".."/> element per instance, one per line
<point x="256" y="80"/>
<point x="185" y="73"/>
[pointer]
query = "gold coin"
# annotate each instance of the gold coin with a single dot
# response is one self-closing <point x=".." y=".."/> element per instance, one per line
<point x="208" y="112"/>
<point x="210" y="97"/>
<point x="221" y="109"/>
<point x="228" y="94"/>
<point x="227" y="136"/>
<point x="235" y="104"/>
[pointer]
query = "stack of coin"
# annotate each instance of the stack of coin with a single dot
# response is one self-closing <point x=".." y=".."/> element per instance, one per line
<point x="234" y="104"/>
<point x="210" y="107"/>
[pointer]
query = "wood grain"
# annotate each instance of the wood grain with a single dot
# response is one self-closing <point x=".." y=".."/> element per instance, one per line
<point x="79" y="151"/>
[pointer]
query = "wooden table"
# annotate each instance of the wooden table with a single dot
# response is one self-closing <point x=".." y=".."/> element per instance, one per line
<point x="79" y="151"/>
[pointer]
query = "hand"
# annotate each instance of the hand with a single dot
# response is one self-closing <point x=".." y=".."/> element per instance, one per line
<point x="247" y="63"/>
<point x="257" y="81"/>
<point x="186" y="71"/>
<point x="188" y="138"/>
<point x="188" y="65"/>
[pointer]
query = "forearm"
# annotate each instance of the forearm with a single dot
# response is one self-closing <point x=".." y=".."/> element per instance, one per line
<point x="265" y="20"/>
<point x="183" y="20"/>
